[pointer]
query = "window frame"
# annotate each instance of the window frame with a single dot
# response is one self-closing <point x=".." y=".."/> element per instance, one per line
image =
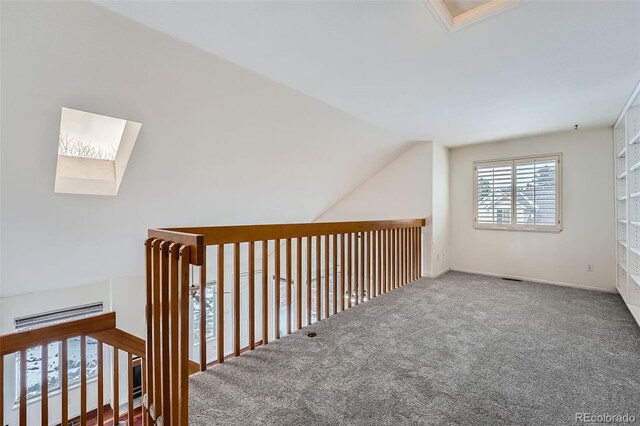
<point x="514" y="226"/>
<point x="33" y="322"/>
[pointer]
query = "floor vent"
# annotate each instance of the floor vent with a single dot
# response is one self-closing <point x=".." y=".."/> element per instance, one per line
<point x="512" y="279"/>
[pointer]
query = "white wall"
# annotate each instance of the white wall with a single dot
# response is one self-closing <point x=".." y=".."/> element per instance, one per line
<point x="218" y="145"/>
<point x="401" y="190"/>
<point x="587" y="236"/>
<point x="414" y="185"/>
<point x="439" y="249"/>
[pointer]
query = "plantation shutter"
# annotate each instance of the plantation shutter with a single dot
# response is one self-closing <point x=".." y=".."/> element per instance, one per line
<point x="536" y="191"/>
<point x="494" y="193"/>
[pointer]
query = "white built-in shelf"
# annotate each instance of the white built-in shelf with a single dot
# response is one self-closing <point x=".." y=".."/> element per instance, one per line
<point x="622" y="153"/>
<point x="626" y="148"/>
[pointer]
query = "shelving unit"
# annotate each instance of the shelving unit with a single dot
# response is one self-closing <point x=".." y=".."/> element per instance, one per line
<point x="626" y="135"/>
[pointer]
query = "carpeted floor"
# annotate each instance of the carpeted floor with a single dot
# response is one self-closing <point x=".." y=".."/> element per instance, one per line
<point x="460" y="349"/>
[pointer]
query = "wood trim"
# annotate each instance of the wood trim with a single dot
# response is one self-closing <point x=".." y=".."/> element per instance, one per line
<point x="214" y="235"/>
<point x="121" y="340"/>
<point x="252" y="294"/>
<point x="14" y="342"/>
<point x="44" y="386"/>
<point x="190" y="239"/>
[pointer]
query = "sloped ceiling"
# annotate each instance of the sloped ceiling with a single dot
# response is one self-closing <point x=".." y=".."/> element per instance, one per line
<point x="535" y="68"/>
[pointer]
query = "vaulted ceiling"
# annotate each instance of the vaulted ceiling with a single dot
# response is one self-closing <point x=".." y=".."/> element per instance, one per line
<point x="534" y="68"/>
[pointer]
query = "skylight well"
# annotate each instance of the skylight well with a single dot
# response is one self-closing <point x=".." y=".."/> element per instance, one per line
<point x="93" y="152"/>
<point x="456" y="14"/>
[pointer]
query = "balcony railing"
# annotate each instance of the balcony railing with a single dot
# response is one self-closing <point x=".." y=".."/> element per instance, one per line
<point x="325" y="268"/>
<point x="274" y="280"/>
<point x="112" y="342"/>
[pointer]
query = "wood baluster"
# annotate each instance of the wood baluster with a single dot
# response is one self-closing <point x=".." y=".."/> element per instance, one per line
<point x="203" y="312"/>
<point x="130" y="416"/>
<point x="148" y="373"/>
<point x="101" y="385"/>
<point x="116" y="389"/>
<point x="276" y="290"/>
<point x="395" y="259"/>
<point x="389" y="286"/>
<point x="349" y="276"/>
<point x="23" y="388"/>
<point x="157" y="362"/>
<point x="356" y="268"/>
<point x="326" y="276"/>
<point x="83" y="380"/>
<point x="318" y="279"/>
<point x="362" y="285"/>
<point x="165" y="342"/>
<point x="342" y="271"/>
<point x="252" y="295"/>
<point x="414" y="253"/>
<point x="374" y="263"/>
<point x="368" y="266"/>
<point x="420" y="252"/>
<point x="184" y="336"/>
<point x="236" y="299"/>
<point x="309" y="280"/>
<point x="44" y="385"/>
<point x="2" y="390"/>
<point x="265" y="292"/>
<point x="299" y="283"/>
<point x="402" y="260"/>
<point x="63" y="366"/>
<point x="174" y="334"/>
<point x="410" y="254"/>
<point x="382" y="258"/>
<point x="378" y="263"/>
<point x="335" y="274"/>
<point x="145" y="418"/>
<point x="220" y="312"/>
<point x="288" y="289"/>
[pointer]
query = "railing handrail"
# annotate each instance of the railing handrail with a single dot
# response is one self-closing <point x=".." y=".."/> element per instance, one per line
<point x="22" y="340"/>
<point x="198" y="237"/>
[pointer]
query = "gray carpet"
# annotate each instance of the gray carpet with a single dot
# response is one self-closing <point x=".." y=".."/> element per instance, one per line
<point x="460" y="349"/>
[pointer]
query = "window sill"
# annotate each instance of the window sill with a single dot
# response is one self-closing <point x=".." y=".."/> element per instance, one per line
<point x="554" y="229"/>
<point x="53" y="393"/>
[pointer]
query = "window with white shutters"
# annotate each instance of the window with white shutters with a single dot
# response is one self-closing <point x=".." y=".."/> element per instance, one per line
<point x="518" y="193"/>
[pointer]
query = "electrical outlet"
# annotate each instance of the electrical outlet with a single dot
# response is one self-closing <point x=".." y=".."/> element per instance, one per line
<point x="589" y="267"/>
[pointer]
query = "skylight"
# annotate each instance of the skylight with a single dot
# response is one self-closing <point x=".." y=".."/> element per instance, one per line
<point x="93" y="152"/>
<point x="456" y="14"/>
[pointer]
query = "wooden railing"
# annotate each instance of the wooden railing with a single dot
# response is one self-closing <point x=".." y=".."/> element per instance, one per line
<point x="110" y="341"/>
<point x="326" y="268"/>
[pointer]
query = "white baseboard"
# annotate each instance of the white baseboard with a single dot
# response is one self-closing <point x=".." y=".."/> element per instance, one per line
<point x="537" y="280"/>
<point x="436" y="275"/>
